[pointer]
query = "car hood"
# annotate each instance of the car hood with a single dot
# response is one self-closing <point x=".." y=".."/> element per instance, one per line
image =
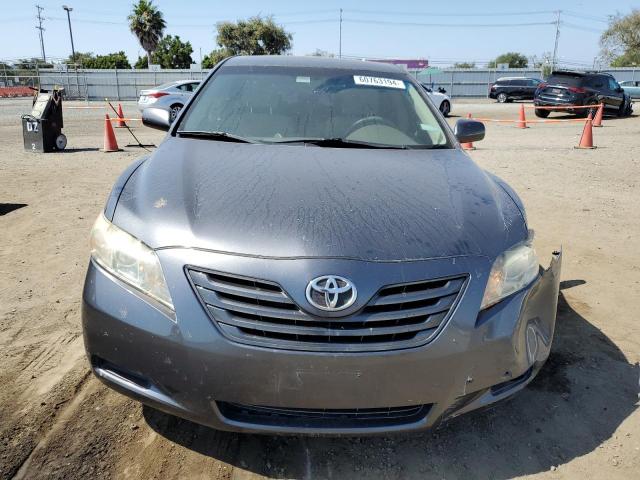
<point x="308" y="201"/>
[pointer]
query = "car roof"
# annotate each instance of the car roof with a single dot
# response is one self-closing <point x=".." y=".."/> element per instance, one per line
<point x="311" y="61"/>
<point x="501" y="79"/>
<point x="577" y="73"/>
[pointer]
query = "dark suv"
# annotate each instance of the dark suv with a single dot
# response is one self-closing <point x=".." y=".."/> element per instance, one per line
<point x="582" y="88"/>
<point x="511" y="88"/>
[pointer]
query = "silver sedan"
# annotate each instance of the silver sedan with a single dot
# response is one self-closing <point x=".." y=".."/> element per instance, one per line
<point x="171" y="96"/>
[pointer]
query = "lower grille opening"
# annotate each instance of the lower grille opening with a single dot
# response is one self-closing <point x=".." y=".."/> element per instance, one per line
<point x="329" y="339"/>
<point x="323" y="418"/>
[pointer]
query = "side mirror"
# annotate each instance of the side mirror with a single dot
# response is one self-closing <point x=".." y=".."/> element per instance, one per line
<point x="467" y="131"/>
<point x="157" y="118"/>
<point x="619" y="89"/>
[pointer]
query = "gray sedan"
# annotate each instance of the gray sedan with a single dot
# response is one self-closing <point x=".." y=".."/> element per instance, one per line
<point x="311" y="251"/>
<point x="170" y="96"/>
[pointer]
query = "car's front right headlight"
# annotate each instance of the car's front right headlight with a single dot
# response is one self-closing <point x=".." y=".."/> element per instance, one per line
<point x="512" y="271"/>
<point x="128" y="259"/>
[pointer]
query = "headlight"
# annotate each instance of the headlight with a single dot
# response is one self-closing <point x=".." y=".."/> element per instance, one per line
<point x="129" y="259"/>
<point x="513" y="270"/>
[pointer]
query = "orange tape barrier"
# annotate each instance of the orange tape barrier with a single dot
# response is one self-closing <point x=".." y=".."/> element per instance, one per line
<point x="496" y="120"/>
<point x="563" y="107"/>
<point x="118" y="119"/>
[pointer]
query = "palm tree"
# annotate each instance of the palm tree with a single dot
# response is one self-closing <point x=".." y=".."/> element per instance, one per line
<point x="146" y="23"/>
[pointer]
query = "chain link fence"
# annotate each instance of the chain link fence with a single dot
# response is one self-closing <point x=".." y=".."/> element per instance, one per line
<point x="120" y="84"/>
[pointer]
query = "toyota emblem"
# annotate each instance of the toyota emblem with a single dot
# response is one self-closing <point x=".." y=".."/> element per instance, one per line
<point x="331" y="293"/>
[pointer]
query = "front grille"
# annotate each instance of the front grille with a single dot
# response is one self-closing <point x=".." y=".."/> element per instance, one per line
<point x="259" y="312"/>
<point x="323" y="418"/>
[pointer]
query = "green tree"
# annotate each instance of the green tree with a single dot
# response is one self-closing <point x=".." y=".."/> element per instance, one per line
<point x="255" y="36"/>
<point x="110" y="60"/>
<point x="142" y="63"/>
<point x="147" y="24"/>
<point x="172" y="52"/>
<point x="322" y="53"/>
<point x="514" y="59"/>
<point x="464" y="65"/>
<point x="620" y="42"/>
<point x="216" y="56"/>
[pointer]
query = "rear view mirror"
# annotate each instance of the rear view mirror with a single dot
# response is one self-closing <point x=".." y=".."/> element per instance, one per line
<point x="157" y="118"/>
<point x="468" y="131"/>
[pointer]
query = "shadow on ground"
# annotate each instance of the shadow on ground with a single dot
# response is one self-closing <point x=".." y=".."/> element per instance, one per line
<point x="584" y="392"/>
<point x="10" y="207"/>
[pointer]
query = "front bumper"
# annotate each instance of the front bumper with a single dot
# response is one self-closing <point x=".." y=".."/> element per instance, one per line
<point x="182" y="364"/>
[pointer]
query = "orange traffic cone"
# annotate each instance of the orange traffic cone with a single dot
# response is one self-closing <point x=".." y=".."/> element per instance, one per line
<point x="468" y="145"/>
<point x="597" y="122"/>
<point x="110" y="144"/>
<point x="120" y="123"/>
<point x="522" y="121"/>
<point x="586" y="140"/>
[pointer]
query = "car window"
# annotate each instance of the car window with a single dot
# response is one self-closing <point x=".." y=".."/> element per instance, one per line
<point x="565" y="80"/>
<point x="164" y="86"/>
<point x="534" y="82"/>
<point x="596" y="81"/>
<point x="284" y="103"/>
<point x="613" y="85"/>
<point x="189" y="87"/>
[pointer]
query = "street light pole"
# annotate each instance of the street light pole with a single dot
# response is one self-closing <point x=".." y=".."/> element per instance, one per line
<point x="340" y="41"/>
<point x="73" y="50"/>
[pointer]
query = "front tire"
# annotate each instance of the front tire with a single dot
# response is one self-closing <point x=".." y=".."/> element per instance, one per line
<point x="174" y="111"/>
<point x="503" y="98"/>
<point x="445" y="108"/>
<point x="542" y="113"/>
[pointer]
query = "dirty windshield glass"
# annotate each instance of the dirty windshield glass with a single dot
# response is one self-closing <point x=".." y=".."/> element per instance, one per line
<point x="285" y="104"/>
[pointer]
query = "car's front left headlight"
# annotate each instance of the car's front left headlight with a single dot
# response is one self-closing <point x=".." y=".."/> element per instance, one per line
<point x="128" y="259"/>
<point x="512" y="271"/>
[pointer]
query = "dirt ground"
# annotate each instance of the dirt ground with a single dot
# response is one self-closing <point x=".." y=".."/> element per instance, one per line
<point x="578" y="419"/>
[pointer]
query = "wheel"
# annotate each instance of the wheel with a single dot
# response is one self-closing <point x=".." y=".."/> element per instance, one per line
<point x="61" y="141"/>
<point x="503" y="98"/>
<point x="625" y="108"/>
<point x="445" y="108"/>
<point x="542" y="113"/>
<point x="175" y="110"/>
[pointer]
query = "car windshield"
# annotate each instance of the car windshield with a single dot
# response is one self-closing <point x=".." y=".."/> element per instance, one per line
<point x="290" y="104"/>
<point x="164" y="86"/>
<point x="567" y="80"/>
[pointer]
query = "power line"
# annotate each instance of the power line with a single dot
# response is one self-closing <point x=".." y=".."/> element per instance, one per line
<point x="41" y="29"/>
<point x="466" y="25"/>
<point x="453" y="14"/>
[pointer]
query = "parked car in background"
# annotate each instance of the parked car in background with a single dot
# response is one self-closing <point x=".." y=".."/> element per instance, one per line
<point x="507" y="89"/>
<point x="632" y="87"/>
<point x="310" y="250"/>
<point x="171" y="96"/>
<point x="565" y="87"/>
<point x="440" y="99"/>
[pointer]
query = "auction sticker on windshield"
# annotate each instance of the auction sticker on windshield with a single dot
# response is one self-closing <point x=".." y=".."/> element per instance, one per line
<point x="378" y="82"/>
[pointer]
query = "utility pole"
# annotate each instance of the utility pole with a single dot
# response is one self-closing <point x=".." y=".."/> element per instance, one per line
<point x="41" y="28"/>
<point x="340" y="44"/>
<point x="555" y="48"/>
<point x="73" y="50"/>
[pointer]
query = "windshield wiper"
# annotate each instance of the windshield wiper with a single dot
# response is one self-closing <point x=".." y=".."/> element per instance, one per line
<point x="338" y="142"/>
<point x="220" y="136"/>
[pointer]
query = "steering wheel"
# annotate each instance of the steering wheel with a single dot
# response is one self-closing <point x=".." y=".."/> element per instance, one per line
<point x="365" y="122"/>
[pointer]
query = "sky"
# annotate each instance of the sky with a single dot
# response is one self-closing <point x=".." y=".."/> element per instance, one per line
<point x="442" y="32"/>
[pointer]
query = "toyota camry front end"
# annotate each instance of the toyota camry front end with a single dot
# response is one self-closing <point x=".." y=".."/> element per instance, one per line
<point x="310" y="251"/>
